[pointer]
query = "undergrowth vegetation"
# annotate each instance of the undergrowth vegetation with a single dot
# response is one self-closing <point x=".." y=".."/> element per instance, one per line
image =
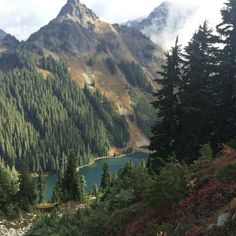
<point x="179" y="200"/>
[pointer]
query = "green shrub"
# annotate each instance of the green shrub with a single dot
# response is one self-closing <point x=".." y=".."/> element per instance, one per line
<point x="111" y="65"/>
<point x="136" y="76"/>
<point x="206" y="152"/>
<point x="169" y="186"/>
<point x="128" y="188"/>
<point x="12" y="211"/>
<point x="232" y="143"/>
<point x="119" y="219"/>
<point x="227" y="172"/>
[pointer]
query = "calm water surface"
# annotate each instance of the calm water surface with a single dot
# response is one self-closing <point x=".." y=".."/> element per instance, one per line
<point x="93" y="173"/>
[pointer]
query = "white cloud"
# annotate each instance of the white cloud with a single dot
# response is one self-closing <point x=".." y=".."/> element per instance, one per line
<point x="180" y="10"/>
<point x="21" y="18"/>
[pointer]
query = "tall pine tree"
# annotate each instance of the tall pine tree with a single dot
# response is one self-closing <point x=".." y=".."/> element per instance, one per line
<point x="106" y="177"/>
<point x="26" y="195"/>
<point x="226" y="125"/>
<point x="57" y="195"/>
<point x="197" y="94"/>
<point x="71" y="186"/>
<point x="41" y="187"/>
<point x="163" y="142"/>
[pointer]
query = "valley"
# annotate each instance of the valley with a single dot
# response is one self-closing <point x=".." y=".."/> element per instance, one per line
<point x="104" y="132"/>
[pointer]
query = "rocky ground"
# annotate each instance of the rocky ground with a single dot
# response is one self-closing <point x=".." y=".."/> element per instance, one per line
<point x="17" y="227"/>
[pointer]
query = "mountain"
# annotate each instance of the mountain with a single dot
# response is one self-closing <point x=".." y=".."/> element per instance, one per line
<point x="78" y="87"/>
<point x="2" y="34"/>
<point x="103" y="54"/>
<point x="164" y="23"/>
<point x="159" y="16"/>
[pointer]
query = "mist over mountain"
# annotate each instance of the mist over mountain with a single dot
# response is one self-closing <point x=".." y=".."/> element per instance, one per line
<point x="164" y="23"/>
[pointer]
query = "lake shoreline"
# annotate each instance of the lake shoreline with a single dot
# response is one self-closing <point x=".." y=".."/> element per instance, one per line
<point x="106" y="157"/>
<point x="35" y="175"/>
<point x="93" y="170"/>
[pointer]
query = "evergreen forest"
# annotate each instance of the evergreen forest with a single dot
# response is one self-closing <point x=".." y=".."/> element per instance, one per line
<point x="43" y="121"/>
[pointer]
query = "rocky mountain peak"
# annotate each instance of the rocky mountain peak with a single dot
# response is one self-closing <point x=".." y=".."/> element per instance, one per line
<point x="78" y="12"/>
<point x="163" y="9"/>
<point x="73" y="2"/>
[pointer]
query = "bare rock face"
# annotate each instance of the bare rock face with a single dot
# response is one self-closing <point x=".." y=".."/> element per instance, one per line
<point x="78" y="32"/>
<point x="72" y="31"/>
<point x="77" y="12"/>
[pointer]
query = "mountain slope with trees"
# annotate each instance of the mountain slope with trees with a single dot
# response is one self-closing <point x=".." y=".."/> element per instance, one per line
<point x="94" y="51"/>
<point x="189" y="185"/>
<point x="53" y="118"/>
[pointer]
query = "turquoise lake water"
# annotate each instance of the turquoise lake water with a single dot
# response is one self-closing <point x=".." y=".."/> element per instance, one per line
<point x="93" y="173"/>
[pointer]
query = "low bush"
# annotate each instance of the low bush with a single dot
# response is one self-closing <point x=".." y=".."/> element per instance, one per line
<point x="232" y="143"/>
<point x="169" y="186"/>
<point x="206" y="152"/>
<point x="227" y="172"/>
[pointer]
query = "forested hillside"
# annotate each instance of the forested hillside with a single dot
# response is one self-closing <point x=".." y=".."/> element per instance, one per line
<point x="114" y="59"/>
<point x="44" y="121"/>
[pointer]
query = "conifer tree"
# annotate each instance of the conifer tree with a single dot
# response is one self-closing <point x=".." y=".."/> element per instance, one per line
<point x="82" y="186"/>
<point x="197" y="94"/>
<point x="8" y="186"/>
<point x="57" y="195"/>
<point x="226" y="125"/>
<point x="95" y="190"/>
<point x="41" y="187"/>
<point x="26" y="196"/>
<point x="163" y="141"/>
<point x="106" y="177"/>
<point x="71" y="187"/>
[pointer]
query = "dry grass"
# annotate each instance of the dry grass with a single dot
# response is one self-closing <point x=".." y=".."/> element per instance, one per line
<point x="46" y="206"/>
<point x="43" y="72"/>
<point x="227" y="158"/>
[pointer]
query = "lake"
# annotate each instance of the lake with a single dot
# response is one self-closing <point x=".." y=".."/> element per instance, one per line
<point x="93" y="172"/>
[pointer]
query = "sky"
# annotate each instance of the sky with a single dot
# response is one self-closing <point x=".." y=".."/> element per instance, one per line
<point x="23" y="17"/>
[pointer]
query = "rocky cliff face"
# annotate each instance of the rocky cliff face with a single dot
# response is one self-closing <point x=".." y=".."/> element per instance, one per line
<point x="78" y="31"/>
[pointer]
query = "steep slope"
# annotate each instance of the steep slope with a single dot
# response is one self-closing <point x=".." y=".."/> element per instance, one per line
<point x="145" y="52"/>
<point x="164" y="22"/>
<point x="99" y="53"/>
